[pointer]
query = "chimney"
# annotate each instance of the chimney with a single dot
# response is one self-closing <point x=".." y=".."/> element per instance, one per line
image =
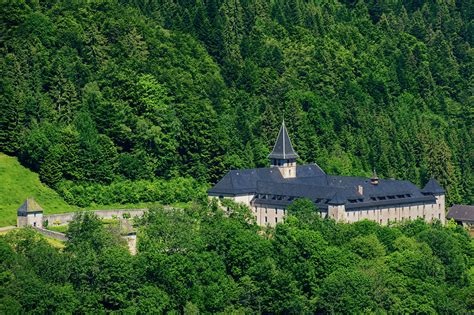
<point x="374" y="180"/>
<point x="360" y="190"/>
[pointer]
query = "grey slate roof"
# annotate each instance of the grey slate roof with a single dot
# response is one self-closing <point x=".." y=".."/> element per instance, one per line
<point x="270" y="188"/>
<point x="432" y="187"/>
<point x="283" y="148"/>
<point x="30" y="205"/>
<point x="464" y="213"/>
<point x="338" y="199"/>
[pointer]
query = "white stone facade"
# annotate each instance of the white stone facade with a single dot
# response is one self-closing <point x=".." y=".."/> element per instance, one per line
<point x="34" y="219"/>
<point x="271" y="215"/>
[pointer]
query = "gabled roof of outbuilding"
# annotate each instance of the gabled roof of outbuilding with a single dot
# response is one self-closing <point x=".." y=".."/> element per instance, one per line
<point x="283" y="148"/>
<point x="432" y="187"/>
<point x="30" y="205"/>
<point x="461" y="213"/>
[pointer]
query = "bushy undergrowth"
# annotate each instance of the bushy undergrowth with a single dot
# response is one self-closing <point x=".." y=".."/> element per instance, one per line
<point x="125" y="192"/>
<point x="201" y="260"/>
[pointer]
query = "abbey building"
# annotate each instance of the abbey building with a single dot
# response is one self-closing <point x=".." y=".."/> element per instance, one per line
<point x="269" y="191"/>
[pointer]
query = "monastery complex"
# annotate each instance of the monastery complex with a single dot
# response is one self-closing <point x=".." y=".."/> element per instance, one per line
<point x="269" y="191"/>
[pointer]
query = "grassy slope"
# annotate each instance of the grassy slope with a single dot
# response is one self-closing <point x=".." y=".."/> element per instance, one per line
<point x="17" y="183"/>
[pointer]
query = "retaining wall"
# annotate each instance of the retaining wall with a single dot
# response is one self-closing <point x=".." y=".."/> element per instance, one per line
<point x="53" y="234"/>
<point x="65" y="218"/>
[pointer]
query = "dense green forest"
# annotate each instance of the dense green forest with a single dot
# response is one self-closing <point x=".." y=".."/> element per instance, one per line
<point x="101" y="92"/>
<point x="201" y="260"/>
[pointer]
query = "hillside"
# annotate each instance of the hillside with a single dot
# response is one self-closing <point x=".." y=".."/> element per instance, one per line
<point x="104" y="92"/>
<point x="18" y="183"/>
<point x="201" y="261"/>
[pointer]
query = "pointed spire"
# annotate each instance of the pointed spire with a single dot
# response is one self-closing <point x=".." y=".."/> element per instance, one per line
<point x="337" y="200"/>
<point x="432" y="187"/>
<point x="283" y="148"/>
<point x="30" y="205"/>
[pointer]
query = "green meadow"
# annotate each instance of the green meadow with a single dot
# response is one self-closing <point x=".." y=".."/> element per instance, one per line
<point x="17" y="183"/>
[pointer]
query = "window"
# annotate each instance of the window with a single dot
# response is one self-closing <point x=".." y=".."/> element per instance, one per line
<point x="276" y="220"/>
<point x="34" y="223"/>
<point x="380" y="221"/>
<point x="266" y="210"/>
<point x="439" y="216"/>
<point x="266" y="219"/>
<point x="276" y="210"/>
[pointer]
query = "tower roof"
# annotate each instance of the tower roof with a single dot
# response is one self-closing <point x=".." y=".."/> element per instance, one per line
<point x="283" y="148"/>
<point x="337" y="199"/>
<point x="432" y="187"/>
<point x="30" y="205"/>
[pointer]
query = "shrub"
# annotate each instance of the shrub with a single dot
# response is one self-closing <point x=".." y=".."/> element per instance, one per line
<point x="163" y="191"/>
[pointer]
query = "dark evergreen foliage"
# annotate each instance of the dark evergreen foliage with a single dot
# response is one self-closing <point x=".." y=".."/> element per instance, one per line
<point x="102" y="91"/>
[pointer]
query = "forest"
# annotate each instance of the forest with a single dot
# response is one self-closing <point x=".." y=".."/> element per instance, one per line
<point x="201" y="260"/>
<point x="101" y="95"/>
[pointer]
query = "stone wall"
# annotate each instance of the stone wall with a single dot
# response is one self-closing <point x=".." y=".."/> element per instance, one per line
<point x="53" y="234"/>
<point x="269" y="215"/>
<point x="132" y="243"/>
<point x="383" y="215"/>
<point x="65" y="218"/>
<point x="427" y="212"/>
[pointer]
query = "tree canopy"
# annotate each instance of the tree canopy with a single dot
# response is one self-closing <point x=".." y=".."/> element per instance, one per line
<point x="98" y="92"/>
<point x="203" y="260"/>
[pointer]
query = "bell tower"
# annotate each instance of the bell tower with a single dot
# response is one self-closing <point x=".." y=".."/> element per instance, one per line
<point x="283" y="155"/>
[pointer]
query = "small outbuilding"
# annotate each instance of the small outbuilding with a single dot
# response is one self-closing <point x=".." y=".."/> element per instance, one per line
<point x="30" y="213"/>
<point x="462" y="214"/>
